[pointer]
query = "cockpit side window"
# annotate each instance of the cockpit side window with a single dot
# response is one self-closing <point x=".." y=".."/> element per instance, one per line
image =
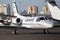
<point x="46" y="18"/>
<point x="40" y="18"/>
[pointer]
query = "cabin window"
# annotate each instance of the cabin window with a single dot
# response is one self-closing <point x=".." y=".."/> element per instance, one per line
<point x="27" y="20"/>
<point x="46" y="18"/>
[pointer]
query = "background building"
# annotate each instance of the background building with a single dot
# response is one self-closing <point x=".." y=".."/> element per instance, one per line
<point x="29" y="9"/>
<point x="5" y="9"/>
<point x="24" y="12"/>
<point x="33" y="10"/>
<point x="45" y="10"/>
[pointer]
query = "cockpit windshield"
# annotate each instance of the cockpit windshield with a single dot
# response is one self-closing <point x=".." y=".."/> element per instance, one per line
<point x="41" y="18"/>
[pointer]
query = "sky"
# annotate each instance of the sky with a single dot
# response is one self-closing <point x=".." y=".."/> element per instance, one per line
<point x="24" y="4"/>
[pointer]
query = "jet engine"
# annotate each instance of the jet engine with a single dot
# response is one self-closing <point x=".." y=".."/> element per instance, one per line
<point x="16" y="21"/>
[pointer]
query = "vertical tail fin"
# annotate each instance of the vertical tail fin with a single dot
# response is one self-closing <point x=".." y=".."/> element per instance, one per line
<point x="54" y="9"/>
<point x="15" y="10"/>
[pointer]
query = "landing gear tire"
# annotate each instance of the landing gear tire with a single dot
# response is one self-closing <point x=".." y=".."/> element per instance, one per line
<point x="15" y="32"/>
<point x="46" y="31"/>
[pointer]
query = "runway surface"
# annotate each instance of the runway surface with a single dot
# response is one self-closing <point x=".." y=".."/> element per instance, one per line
<point x="24" y="34"/>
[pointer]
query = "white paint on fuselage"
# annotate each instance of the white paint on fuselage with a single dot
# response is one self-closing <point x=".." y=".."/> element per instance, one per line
<point x="31" y="22"/>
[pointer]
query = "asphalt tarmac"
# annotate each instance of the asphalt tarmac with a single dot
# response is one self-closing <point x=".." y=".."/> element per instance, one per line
<point x="24" y="34"/>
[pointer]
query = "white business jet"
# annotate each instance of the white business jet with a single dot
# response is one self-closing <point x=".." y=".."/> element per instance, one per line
<point x="38" y="22"/>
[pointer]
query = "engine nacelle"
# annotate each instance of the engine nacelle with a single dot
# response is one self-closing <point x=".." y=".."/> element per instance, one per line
<point x="16" y="21"/>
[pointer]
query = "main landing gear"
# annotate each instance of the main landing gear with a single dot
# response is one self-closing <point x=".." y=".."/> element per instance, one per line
<point x="46" y="31"/>
<point x="15" y="32"/>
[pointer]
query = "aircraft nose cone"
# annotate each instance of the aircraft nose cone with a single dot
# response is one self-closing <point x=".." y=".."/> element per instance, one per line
<point x="47" y="23"/>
